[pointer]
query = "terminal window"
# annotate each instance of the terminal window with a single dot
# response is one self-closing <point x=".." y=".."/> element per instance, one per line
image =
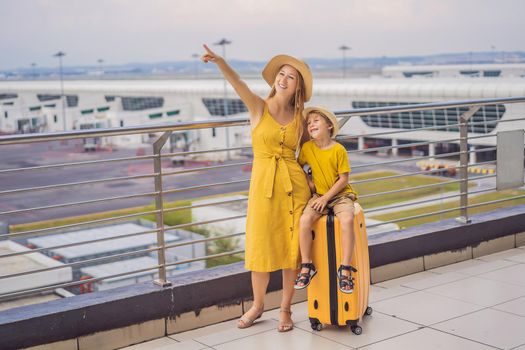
<point x="224" y="107"/>
<point x="483" y="121"/>
<point x="141" y="103"/>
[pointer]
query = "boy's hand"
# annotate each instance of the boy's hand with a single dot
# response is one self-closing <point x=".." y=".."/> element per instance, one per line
<point x="209" y="55"/>
<point x="320" y="203"/>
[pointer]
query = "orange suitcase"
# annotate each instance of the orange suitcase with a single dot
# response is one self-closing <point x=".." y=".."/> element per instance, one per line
<point x="326" y="303"/>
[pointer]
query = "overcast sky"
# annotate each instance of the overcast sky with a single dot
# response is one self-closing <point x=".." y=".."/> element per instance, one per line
<point x="123" y="31"/>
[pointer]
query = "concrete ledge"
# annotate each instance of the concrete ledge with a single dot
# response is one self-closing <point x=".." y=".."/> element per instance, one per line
<point x="221" y="293"/>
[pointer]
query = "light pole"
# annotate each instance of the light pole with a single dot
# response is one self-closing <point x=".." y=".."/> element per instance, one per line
<point x="223" y="42"/>
<point x="61" y="54"/>
<point x="101" y="64"/>
<point x="195" y="56"/>
<point x="33" y="75"/>
<point x="344" y="48"/>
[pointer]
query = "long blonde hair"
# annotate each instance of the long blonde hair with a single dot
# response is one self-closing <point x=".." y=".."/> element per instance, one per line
<point x="297" y="103"/>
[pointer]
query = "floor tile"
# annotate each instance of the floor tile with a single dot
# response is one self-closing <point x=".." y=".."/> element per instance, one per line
<point x="378" y="293"/>
<point x="479" y="291"/>
<point x="167" y="343"/>
<point x="505" y="255"/>
<point x="401" y="281"/>
<point x="488" y="326"/>
<point x="516" y="306"/>
<point x="273" y="340"/>
<point x="376" y="327"/>
<point x="427" y="339"/>
<point x="435" y="279"/>
<point x="226" y="331"/>
<point x="474" y="267"/>
<point x="424" y="308"/>
<point x="514" y="274"/>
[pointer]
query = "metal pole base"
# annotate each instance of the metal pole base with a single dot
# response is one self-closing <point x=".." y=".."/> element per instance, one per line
<point x="162" y="283"/>
<point x="463" y="220"/>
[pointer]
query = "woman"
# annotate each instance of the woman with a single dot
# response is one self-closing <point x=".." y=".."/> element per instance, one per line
<point x="278" y="187"/>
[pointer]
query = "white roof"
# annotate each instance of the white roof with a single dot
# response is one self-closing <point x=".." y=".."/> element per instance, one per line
<point x="437" y="88"/>
<point x="28" y="262"/>
<point x="88" y="249"/>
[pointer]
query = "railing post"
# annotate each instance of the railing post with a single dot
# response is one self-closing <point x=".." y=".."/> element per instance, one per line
<point x="463" y="162"/>
<point x="159" y="206"/>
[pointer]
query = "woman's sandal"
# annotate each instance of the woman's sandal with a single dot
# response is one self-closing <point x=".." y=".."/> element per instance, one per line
<point x="245" y="321"/>
<point x="344" y="280"/>
<point x="285" y="327"/>
<point x="306" y="277"/>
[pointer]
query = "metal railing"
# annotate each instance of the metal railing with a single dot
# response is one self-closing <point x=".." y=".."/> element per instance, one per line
<point x="163" y="185"/>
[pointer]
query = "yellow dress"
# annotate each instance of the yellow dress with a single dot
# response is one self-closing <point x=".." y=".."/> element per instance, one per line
<point x="278" y="194"/>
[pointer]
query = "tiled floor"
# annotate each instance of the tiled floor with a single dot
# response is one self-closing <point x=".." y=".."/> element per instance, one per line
<point x="474" y="304"/>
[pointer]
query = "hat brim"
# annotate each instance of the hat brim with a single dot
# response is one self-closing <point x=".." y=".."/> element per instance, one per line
<point x="272" y="68"/>
<point x="327" y="113"/>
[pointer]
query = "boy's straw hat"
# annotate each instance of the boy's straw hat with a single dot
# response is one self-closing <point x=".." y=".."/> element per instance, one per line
<point x="272" y="68"/>
<point x="326" y="113"/>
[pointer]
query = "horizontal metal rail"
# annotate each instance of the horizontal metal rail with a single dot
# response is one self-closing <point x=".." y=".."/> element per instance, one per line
<point x="210" y="150"/>
<point x="409" y="189"/>
<point x="390" y="177"/>
<point x="205" y="204"/>
<point x="404" y="145"/>
<point x="78" y="183"/>
<point x="128" y="130"/>
<point x="444" y="211"/>
<point x="214" y="167"/>
<point x="208" y="257"/>
<point x="87" y="162"/>
<point x="204" y="240"/>
<point x="410" y="203"/>
<point x="197" y="223"/>
<point x="83" y="262"/>
<point x="36" y="250"/>
<point x="12" y="295"/>
<point x="70" y="204"/>
<point x="192" y="188"/>
<point x="442" y="155"/>
<point x="47" y="230"/>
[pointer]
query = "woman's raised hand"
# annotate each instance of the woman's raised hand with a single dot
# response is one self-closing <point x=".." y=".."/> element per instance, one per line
<point x="209" y="55"/>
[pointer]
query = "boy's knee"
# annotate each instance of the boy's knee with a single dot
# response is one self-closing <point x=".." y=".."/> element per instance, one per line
<point x="305" y="220"/>
<point x="346" y="219"/>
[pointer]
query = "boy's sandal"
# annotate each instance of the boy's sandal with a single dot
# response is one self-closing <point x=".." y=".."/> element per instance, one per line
<point x="306" y="277"/>
<point x="245" y="321"/>
<point x="284" y="326"/>
<point x="346" y="283"/>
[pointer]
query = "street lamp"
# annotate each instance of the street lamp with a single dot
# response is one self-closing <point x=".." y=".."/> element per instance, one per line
<point x="344" y="48"/>
<point x="100" y="63"/>
<point x="223" y="42"/>
<point x="61" y="54"/>
<point x="196" y="56"/>
<point x="33" y="65"/>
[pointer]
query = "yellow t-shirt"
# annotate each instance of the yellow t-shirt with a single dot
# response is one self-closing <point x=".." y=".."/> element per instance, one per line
<point x="326" y="166"/>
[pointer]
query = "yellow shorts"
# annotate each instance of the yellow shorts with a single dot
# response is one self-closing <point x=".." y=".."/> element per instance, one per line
<point x="342" y="203"/>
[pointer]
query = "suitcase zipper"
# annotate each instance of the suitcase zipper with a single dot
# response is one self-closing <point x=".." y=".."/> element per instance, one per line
<point x="332" y="268"/>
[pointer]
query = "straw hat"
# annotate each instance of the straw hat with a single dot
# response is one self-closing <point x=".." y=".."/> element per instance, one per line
<point x="326" y="113"/>
<point x="272" y="68"/>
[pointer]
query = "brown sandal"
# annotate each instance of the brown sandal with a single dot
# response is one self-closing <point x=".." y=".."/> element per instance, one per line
<point x="285" y="327"/>
<point x="245" y="321"/>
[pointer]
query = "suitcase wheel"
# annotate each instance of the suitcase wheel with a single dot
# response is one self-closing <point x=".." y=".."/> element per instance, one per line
<point x="356" y="330"/>
<point x="369" y="311"/>
<point x="316" y="325"/>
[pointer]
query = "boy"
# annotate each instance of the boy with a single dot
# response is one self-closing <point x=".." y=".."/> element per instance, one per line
<point x="328" y="161"/>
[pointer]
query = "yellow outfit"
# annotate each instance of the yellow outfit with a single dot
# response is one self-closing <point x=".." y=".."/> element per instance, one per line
<point x="278" y="193"/>
<point x="326" y="165"/>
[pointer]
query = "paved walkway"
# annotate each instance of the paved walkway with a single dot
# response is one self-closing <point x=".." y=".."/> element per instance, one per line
<point x="474" y="304"/>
